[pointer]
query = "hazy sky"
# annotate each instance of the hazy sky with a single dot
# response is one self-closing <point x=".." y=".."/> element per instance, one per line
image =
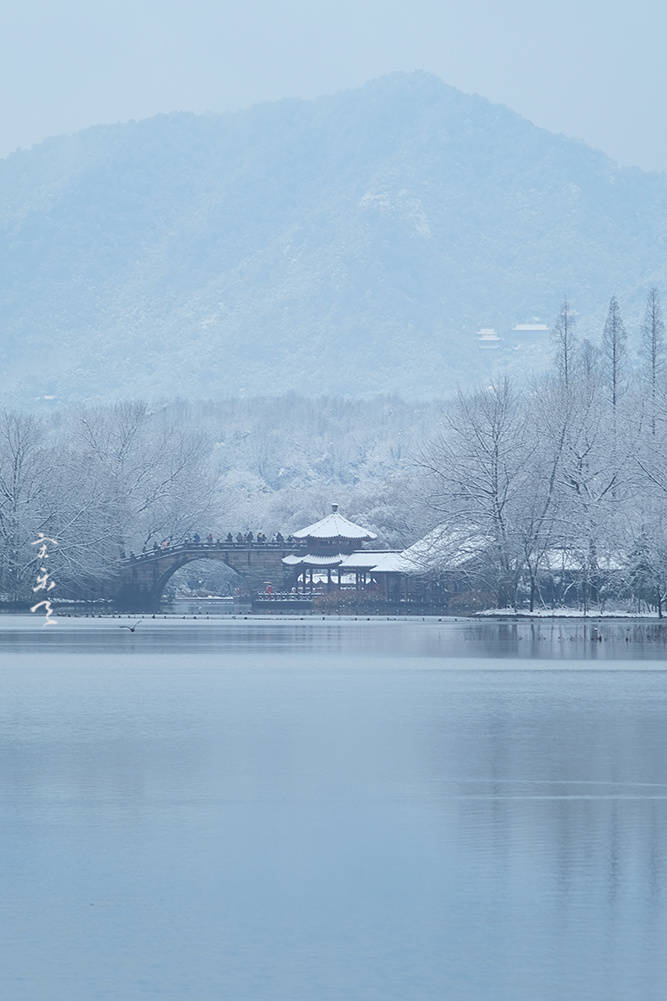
<point x="594" y="69"/>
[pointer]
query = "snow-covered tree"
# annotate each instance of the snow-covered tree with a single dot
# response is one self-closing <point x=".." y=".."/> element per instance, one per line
<point x="593" y="474"/>
<point x="477" y="465"/>
<point x="154" y="472"/>
<point x="25" y="474"/>
<point x="538" y="509"/>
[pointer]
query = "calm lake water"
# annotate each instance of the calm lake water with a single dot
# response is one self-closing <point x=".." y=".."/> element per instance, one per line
<point x="325" y="810"/>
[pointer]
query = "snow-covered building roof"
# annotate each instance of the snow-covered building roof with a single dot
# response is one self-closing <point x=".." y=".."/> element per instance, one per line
<point x="365" y="559"/>
<point x="395" y="563"/>
<point x="445" y="548"/>
<point x="335" y="526"/>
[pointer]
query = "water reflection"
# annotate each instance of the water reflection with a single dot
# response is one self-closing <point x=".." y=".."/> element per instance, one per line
<point x="299" y="810"/>
<point x="568" y="640"/>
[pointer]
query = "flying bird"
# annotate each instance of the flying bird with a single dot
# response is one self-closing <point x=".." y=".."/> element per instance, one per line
<point x="131" y="628"/>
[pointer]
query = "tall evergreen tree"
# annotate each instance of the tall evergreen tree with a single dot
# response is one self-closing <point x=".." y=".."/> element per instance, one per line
<point x="653" y="350"/>
<point x="614" y="351"/>
<point x="564" y="337"/>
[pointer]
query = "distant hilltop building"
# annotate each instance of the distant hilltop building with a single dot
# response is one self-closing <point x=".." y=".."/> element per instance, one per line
<point x="530" y="334"/>
<point x="522" y="335"/>
<point x="488" y="339"/>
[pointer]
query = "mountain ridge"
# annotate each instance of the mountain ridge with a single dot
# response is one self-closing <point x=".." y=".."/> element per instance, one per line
<point x="353" y="243"/>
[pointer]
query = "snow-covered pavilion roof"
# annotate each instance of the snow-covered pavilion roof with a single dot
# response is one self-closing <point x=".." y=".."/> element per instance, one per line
<point x="440" y="547"/>
<point x="291" y="560"/>
<point x="334" y="526"/>
<point x="310" y="560"/>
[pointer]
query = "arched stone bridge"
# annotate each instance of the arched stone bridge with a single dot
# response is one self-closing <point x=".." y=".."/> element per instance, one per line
<point x="140" y="580"/>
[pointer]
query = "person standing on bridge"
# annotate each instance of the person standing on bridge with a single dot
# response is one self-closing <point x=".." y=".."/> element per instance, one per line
<point x="196" y="538"/>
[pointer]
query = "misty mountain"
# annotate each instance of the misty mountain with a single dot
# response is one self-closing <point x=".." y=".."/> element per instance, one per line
<point x="352" y="244"/>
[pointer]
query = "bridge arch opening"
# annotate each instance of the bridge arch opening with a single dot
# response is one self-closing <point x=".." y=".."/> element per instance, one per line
<point x="203" y="578"/>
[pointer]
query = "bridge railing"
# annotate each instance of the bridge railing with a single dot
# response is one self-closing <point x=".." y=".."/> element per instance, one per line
<point x="296" y="545"/>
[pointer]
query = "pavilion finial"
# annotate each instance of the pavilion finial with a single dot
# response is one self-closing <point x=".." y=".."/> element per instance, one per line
<point x="334" y="508"/>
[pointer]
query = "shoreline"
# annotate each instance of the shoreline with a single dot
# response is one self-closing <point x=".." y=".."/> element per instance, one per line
<point x="432" y="618"/>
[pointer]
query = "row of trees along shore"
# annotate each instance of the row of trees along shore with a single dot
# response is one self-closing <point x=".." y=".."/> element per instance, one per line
<point x="558" y="489"/>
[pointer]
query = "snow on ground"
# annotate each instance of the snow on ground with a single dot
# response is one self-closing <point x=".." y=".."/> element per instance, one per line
<point x="568" y="613"/>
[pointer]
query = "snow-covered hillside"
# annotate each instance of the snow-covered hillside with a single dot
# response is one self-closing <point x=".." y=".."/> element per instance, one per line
<point x="352" y="244"/>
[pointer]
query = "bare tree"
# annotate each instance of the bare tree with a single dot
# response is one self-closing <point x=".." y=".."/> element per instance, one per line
<point x="538" y="509"/>
<point x="476" y="466"/>
<point x="594" y="473"/>
<point x="154" y="471"/>
<point x="25" y="470"/>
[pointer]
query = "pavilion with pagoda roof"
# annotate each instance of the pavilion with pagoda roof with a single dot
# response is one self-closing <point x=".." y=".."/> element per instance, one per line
<point x="333" y="545"/>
